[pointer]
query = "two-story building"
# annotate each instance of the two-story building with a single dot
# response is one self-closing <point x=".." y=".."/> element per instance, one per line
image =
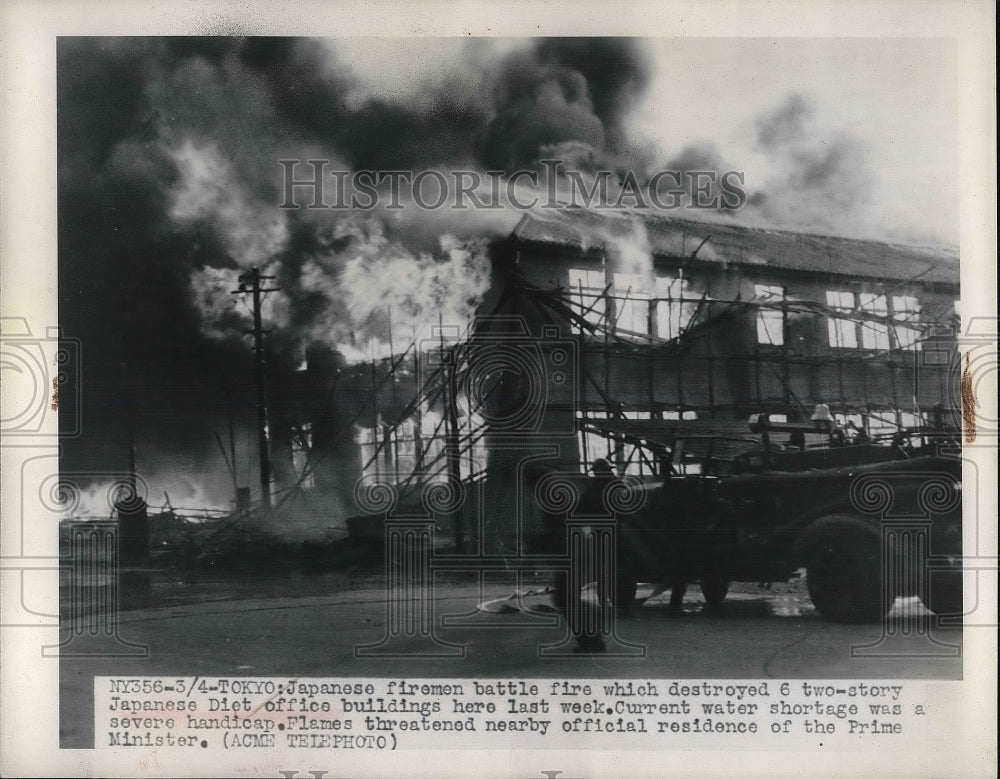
<point x="595" y="321"/>
<point x="714" y="321"/>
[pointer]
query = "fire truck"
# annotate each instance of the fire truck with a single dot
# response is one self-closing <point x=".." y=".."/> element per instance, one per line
<point x="868" y="522"/>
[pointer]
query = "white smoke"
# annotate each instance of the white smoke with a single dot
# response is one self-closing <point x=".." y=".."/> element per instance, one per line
<point x="210" y="190"/>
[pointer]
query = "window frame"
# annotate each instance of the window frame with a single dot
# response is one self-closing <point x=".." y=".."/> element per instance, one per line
<point x="765" y="315"/>
<point x="837" y="326"/>
<point x="906" y="311"/>
<point x="874" y="335"/>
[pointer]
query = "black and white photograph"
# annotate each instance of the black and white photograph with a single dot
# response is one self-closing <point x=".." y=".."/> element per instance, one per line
<point x="408" y="395"/>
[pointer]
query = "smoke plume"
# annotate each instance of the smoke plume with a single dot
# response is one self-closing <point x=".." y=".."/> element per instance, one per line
<point x="168" y="189"/>
<point x="820" y="179"/>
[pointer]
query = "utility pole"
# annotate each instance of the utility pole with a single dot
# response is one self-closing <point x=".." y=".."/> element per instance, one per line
<point x="452" y="452"/>
<point x="418" y="419"/>
<point x="132" y="481"/>
<point x="250" y="282"/>
<point x="394" y="430"/>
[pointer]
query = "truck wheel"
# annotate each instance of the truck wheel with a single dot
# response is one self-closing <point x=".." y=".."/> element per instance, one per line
<point x="943" y="593"/>
<point x="844" y="577"/>
<point x="714" y="589"/>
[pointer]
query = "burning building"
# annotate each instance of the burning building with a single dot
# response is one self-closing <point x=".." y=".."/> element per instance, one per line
<point x="596" y="314"/>
<point x="595" y="322"/>
<point x="713" y="320"/>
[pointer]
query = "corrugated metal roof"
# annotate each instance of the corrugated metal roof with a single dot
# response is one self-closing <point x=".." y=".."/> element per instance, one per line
<point x="730" y="242"/>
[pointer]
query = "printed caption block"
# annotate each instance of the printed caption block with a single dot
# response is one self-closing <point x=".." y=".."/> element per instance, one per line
<point x="350" y="714"/>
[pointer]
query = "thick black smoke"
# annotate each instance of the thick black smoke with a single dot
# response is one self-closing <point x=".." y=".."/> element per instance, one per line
<point x="562" y="91"/>
<point x="145" y="367"/>
<point x="314" y="94"/>
<point x="500" y="116"/>
<point x="168" y="187"/>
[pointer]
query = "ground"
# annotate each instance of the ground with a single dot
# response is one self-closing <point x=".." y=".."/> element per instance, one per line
<point x="299" y="626"/>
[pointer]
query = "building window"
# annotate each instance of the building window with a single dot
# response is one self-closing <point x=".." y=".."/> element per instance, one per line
<point x="770" y="320"/>
<point x="843" y="334"/>
<point x="874" y="321"/>
<point x="882" y="422"/>
<point x="906" y="315"/>
<point x="680" y="414"/>
<point x="874" y="335"/>
<point x="631" y="303"/>
<point x="632" y="298"/>
<point x="909" y="420"/>
<point x="587" y="290"/>
<point x="674" y="308"/>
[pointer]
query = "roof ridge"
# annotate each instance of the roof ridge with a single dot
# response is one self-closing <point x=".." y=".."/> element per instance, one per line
<point x="648" y="216"/>
<point x="733" y="241"/>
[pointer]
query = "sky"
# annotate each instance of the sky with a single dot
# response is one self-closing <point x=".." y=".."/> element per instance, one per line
<point x="169" y="185"/>
<point x="896" y="98"/>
